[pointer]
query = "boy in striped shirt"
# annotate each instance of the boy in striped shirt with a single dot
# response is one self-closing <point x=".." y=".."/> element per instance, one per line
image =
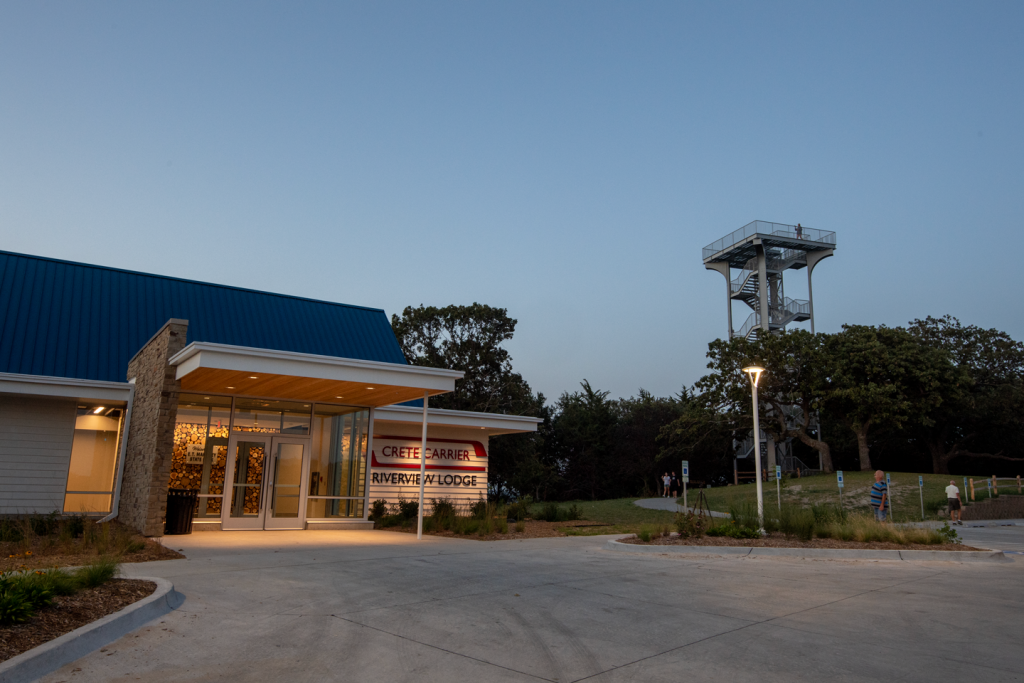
<point x="880" y="496"/>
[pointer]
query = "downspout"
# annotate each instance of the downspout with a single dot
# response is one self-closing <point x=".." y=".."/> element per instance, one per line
<point x="124" y="447"/>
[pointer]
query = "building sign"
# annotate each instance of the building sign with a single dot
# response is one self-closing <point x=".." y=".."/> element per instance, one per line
<point x="454" y="469"/>
<point x="194" y="453"/>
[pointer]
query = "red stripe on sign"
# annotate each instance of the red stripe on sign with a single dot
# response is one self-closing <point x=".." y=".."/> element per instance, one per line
<point x="478" y="448"/>
<point x="375" y="463"/>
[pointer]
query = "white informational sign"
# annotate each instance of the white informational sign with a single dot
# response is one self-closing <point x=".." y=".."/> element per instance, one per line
<point x="686" y="471"/>
<point x="455" y="469"/>
<point x="920" y="480"/>
<point x="194" y="454"/>
<point x="778" y="471"/>
<point x="839" y="478"/>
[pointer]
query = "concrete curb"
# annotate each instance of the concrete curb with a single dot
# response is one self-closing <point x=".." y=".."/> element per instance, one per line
<point x="48" y="657"/>
<point x="823" y="553"/>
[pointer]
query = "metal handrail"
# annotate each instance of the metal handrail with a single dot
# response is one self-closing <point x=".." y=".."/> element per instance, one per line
<point x="768" y="228"/>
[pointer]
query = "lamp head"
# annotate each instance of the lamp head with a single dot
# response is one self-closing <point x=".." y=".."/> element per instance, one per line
<point x="755" y="373"/>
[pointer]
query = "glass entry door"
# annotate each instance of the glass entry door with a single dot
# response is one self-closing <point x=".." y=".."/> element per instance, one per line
<point x="265" y="474"/>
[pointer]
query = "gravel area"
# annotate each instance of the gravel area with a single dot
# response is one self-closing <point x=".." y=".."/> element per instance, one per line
<point x="70" y="612"/>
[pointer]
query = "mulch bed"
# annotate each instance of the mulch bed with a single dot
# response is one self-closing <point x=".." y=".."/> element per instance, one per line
<point x="70" y="612"/>
<point x="13" y="555"/>
<point x="777" y="540"/>
<point x="534" y="529"/>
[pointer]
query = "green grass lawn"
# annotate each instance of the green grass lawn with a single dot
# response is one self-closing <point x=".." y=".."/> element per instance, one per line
<point x="819" y="489"/>
<point x="625" y="517"/>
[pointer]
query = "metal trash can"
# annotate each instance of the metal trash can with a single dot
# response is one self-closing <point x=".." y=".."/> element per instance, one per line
<point x="181" y="506"/>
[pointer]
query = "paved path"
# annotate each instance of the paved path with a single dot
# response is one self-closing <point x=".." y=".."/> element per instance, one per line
<point x="380" y="606"/>
<point x="670" y="504"/>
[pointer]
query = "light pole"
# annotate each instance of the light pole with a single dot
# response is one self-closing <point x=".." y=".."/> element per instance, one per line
<point x="754" y="371"/>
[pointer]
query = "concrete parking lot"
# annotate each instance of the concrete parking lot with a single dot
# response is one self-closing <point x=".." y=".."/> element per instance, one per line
<point x="380" y="606"/>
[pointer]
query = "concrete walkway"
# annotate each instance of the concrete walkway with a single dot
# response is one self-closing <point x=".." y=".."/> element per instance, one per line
<point x="671" y="505"/>
<point x="380" y="606"/>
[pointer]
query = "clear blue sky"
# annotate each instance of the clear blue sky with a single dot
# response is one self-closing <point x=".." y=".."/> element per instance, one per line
<point x="566" y="160"/>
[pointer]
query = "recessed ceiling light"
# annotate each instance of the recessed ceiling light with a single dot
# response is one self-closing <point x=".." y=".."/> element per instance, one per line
<point x="253" y="377"/>
<point x="305" y="405"/>
<point x="206" y="398"/>
<point x="230" y="387"/>
<point x="370" y="388"/>
<point x="98" y="411"/>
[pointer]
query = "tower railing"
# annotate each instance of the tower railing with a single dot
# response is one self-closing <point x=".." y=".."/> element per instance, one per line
<point x="767" y="228"/>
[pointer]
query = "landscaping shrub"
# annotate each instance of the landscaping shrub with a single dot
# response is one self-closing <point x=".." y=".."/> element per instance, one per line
<point x="520" y="526"/>
<point x="797" y="522"/>
<point x="519" y="510"/>
<point x="15" y="607"/>
<point x="443" y="515"/>
<point x="378" y="509"/>
<point x="478" y="510"/>
<point x="408" y="509"/>
<point x="689" y="525"/>
<point x="552" y="513"/>
<point x="11" y="530"/>
<point x="574" y="513"/>
<point x="645" y="534"/>
<point x="948" y="534"/>
<point x="97" y="573"/>
<point x="733" y="530"/>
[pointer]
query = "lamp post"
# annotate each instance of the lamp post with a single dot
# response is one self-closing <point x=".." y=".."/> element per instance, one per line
<point x="754" y="371"/>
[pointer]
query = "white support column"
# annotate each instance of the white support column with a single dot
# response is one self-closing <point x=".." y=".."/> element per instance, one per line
<point x="762" y="289"/>
<point x="723" y="268"/>
<point x="369" y="469"/>
<point x="423" y="467"/>
<point x="812" y="260"/>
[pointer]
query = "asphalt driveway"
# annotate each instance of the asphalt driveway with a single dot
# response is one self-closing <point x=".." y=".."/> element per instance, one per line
<point x="380" y="606"/>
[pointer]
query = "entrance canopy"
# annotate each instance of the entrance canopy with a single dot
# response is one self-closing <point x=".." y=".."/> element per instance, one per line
<point x="225" y="369"/>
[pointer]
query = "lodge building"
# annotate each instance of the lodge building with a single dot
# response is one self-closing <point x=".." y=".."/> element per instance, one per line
<point x="281" y="412"/>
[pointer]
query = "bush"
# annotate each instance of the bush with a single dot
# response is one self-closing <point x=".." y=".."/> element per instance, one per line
<point x="378" y="509"/>
<point x="478" y="510"/>
<point x="948" y="534"/>
<point x="552" y="513"/>
<point x="407" y="509"/>
<point x="520" y="526"/>
<point x="98" y="573"/>
<point x="645" y="534"/>
<point x="575" y="512"/>
<point x="733" y="530"/>
<point x="519" y="510"/>
<point x="443" y="515"/>
<point x="690" y="525"/>
<point x="15" y="607"/>
<point x="11" y="530"/>
<point x="797" y="522"/>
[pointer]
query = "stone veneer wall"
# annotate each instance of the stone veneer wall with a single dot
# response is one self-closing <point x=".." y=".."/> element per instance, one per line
<point x="147" y="465"/>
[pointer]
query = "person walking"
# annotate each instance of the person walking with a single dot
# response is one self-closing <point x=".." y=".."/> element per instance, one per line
<point x="666" y="483"/>
<point x="953" y="498"/>
<point x="674" y="485"/>
<point x="880" y="496"/>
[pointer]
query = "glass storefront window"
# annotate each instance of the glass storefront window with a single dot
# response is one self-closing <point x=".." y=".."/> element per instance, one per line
<point x="93" y="459"/>
<point x="337" y="468"/>
<point x="271" y="417"/>
<point x="200" y="449"/>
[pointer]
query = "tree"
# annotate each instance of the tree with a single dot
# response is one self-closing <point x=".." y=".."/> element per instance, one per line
<point x="470" y="338"/>
<point x="790" y="392"/>
<point x="980" y="415"/>
<point x="885" y="376"/>
<point x="581" y="441"/>
<point x="700" y="434"/>
<point x="639" y="423"/>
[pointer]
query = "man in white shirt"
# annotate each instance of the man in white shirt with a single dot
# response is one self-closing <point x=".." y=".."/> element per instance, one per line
<point x="953" y="498"/>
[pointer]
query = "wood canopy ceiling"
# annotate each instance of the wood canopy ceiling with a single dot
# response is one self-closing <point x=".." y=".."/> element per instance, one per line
<point x="215" y="381"/>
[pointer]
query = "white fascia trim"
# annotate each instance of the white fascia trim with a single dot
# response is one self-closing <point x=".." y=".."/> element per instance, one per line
<point x="63" y="387"/>
<point x="458" y="418"/>
<point x="245" y="359"/>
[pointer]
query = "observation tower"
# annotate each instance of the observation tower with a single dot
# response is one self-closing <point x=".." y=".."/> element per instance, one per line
<point x="762" y="252"/>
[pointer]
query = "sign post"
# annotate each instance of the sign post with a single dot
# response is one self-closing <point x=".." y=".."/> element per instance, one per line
<point x="888" y="494"/>
<point x="920" y="487"/>
<point x="686" y="478"/>
<point x="839" y="479"/>
<point x="778" y="484"/>
<point x="965" y="492"/>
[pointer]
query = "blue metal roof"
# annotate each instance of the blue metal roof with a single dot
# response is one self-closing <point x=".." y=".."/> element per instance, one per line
<point x="66" y="319"/>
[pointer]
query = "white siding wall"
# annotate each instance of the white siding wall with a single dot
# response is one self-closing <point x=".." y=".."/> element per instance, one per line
<point x="35" y="451"/>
